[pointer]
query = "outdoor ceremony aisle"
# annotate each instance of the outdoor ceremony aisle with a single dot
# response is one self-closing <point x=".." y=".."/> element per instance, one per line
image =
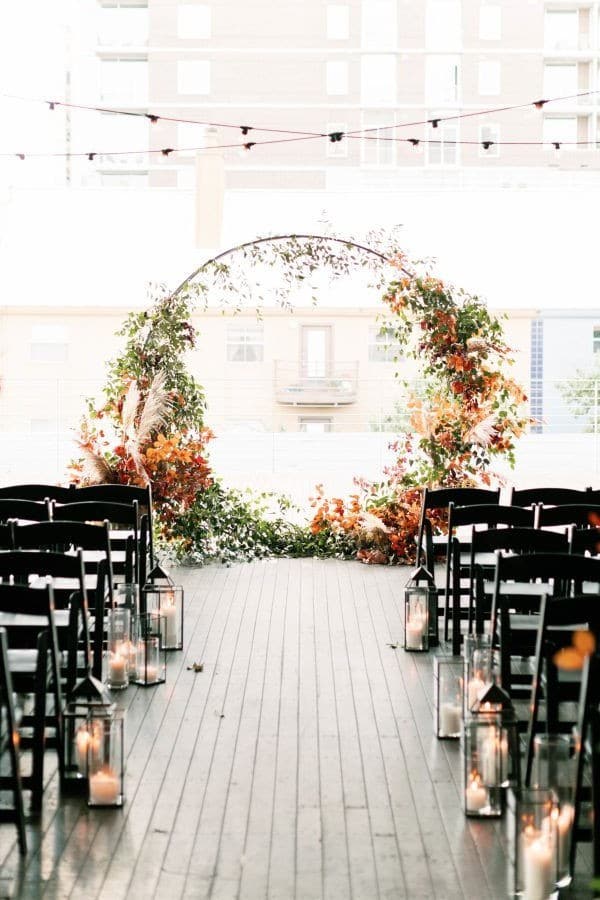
<point x="300" y="763"/>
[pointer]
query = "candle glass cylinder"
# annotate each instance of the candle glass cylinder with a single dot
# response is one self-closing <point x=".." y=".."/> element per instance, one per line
<point x="479" y="668"/>
<point x="127" y="595"/>
<point x="532" y="843"/>
<point x="416" y="619"/>
<point x="165" y="602"/>
<point x="106" y="765"/>
<point x="151" y="656"/>
<point x="485" y="762"/>
<point x="554" y="768"/>
<point x="118" y="647"/>
<point x="447" y="688"/>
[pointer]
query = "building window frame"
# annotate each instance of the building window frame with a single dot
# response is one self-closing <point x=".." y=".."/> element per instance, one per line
<point x="245" y="343"/>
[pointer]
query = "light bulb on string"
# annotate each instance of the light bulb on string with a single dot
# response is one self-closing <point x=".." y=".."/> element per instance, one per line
<point x="556" y="145"/>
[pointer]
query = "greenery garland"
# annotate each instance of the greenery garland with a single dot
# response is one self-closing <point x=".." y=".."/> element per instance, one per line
<point x="467" y="415"/>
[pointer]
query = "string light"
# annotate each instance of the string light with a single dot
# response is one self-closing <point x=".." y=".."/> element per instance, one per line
<point x="334" y="136"/>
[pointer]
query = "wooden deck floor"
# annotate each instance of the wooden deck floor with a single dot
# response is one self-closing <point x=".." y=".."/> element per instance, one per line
<point x="300" y="763"/>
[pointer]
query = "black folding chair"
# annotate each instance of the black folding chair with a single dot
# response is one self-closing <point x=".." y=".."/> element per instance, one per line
<point x="27" y="614"/>
<point x="520" y="582"/>
<point x="128" y="539"/>
<point x="579" y="514"/>
<point x="482" y="561"/>
<point x="122" y="493"/>
<point x="36" y="492"/>
<point x="550" y="496"/>
<point x="585" y="540"/>
<point x="440" y="499"/>
<point x="70" y="597"/>
<point x="94" y="540"/>
<point x="23" y="510"/>
<point x="10" y="742"/>
<point x="480" y="516"/>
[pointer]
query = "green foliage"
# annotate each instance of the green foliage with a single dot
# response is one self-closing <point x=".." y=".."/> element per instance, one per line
<point x="157" y="340"/>
<point x="229" y="525"/>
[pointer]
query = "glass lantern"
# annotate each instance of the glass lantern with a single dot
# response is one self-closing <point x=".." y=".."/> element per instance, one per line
<point x="484" y="754"/>
<point x="105" y="763"/>
<point x="165" y="602"/>
<point x="532" y="842"/>
<point x="554" y="768"/>
<point x="447" y="685"/>
<point x="119" y="647"/>
<point x="421" y="602"/>
<point x="479" y="668"/>
<point x="88" y="699"/>
<point x="151" y="656"/>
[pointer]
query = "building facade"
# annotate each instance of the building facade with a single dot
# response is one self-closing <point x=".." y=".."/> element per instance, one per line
<point x="318" y="67"/>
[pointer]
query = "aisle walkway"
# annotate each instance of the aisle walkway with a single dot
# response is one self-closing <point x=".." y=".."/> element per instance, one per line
<point x="299" y="764"/>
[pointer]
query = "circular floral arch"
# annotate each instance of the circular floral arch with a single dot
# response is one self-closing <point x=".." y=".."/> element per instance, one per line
<point x="465" y="412"/>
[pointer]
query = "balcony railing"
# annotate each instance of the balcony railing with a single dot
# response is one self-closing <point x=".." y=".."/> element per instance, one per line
<point x="316" y="383"/>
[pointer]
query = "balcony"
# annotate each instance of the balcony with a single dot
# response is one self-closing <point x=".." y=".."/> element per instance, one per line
<point x="316" y="384"/>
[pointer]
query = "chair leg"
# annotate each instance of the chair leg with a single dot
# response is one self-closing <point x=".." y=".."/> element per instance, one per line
<point x="595" y="741"/>
<point x="13" y="749"/>
<point x="39" y="726"/>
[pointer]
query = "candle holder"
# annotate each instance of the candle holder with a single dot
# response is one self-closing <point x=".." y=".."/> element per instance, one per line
<point x="127" y="595"/>
<point x="119" y="647"/>
<point x="420" y="596"/>
<point x="532" y="842"/>
<point x="88" y="698"/>
<point x="151" y="656"/>
<point x="554" y="768"/>
<point x="166" y="603"/>
<point x="106" y="761"/>
<point x="479" y="668"/>
<point x="495" y="707"/>
<point x="448" y="691"/>
<point x="484" y="759"/>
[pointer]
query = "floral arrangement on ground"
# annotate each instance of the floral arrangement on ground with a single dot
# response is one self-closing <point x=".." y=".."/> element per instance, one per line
<point x="149" y="427"/>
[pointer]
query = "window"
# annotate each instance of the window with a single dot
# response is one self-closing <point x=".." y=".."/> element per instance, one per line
<point x="443" y="25"/>
<point x="315" y="424"/>
<point x="337" y="149"/>
<point x="124" y="81"/>
<point x="43" y="426"/>
<point x="122" y="133"/>
<point x="337" y="78"/>
<point x="377" y="151"/>
<point x="378" y="80"/>
<point x="338" y="21"/>
<point x="561" y="29"/>
<point x="382" y="345"/>
<point x="490" y="133"/>
<point x="194" y="21"/>
<point x="122" y="26"/>
<point x="441" y="80"/>
<point x="379" y="25"/>
<point x="245" y="343"/>
<point x="490" y="23"/>
<point x="489" y="77"/>
<point x="560" y="80"/>
<point x="186" y="177"/>
<point x="442" y="150"/>
<point x="562" y="129"/>
<point x="193" y="76"/>
<point x="49" y="343"/>
<point x="596" y="343"/>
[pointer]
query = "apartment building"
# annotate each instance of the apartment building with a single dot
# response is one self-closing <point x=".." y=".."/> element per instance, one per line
<point x="314" y="66"/>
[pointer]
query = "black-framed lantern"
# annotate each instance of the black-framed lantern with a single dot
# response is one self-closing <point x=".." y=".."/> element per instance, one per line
<point x="165" y="603"/>
<point x="106" y="758"/>
<point x="420" y="612"/>
<point x="490" y="754"/>
<point x="88" y="703"/>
